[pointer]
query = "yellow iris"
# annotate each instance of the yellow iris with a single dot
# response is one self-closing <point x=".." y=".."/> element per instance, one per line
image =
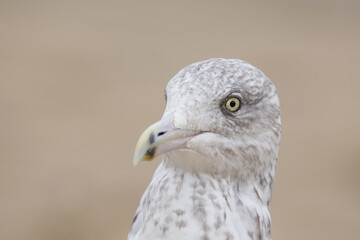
<point x="233" y="104"/>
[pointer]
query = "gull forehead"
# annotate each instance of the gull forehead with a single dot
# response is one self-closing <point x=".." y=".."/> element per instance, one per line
<point x="216" y="76"/>
<point x="206" y="83"/>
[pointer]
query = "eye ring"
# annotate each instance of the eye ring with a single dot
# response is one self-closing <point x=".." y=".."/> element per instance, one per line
<point x="233" y="104"/>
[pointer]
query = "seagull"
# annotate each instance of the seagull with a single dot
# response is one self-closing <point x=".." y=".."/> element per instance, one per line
<point x="219" y="139"/>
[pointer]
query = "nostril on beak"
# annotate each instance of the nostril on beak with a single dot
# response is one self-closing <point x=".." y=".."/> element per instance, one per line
<point x="161" y="133"/>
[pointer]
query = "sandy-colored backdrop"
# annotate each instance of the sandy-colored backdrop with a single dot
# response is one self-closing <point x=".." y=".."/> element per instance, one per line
<point x="80" y="81"/>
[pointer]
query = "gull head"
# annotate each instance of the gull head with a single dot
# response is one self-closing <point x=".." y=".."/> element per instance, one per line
<point x="221" y="116"/>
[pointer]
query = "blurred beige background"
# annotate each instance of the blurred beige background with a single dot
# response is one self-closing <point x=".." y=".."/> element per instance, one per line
<point x="80" y="81"/>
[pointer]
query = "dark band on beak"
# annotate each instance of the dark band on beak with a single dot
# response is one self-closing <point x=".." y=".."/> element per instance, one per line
<point x="150" y="153"/>
<point x="152" y="139"/>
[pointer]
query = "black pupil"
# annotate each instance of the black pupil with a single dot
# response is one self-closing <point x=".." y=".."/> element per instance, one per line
<point x="232" y="104"/>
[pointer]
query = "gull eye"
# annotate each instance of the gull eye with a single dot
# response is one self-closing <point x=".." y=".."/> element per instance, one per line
<point x="233" y="104"/>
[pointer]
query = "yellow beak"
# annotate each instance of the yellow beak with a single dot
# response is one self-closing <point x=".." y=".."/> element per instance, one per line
<point x="160" y="138"/>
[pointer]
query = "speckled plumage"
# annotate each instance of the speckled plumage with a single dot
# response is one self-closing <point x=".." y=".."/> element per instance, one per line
<point x="220" y="186"/>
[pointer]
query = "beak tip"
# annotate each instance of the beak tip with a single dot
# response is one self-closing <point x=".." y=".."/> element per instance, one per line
<point x="137" y="159"/>
<point x="136" y="162"/>
<point x="141" y="150"/>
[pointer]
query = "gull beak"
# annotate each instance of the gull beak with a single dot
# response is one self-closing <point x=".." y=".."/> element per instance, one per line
<point x="160" y="138"/>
